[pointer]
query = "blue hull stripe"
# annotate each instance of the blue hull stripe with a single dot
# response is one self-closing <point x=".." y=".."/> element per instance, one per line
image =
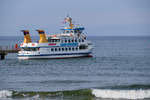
<point x="54" y="54"/>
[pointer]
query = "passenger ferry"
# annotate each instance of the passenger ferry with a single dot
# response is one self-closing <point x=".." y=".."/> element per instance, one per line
<point x="71" y="42"/>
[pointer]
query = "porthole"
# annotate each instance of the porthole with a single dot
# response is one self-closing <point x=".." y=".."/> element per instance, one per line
<point x="66" y="49"/>
<point x="65" y="40"/>
<point x="69" y="49"/>
<point x="79" y="40"/>
<point x="55" y="49"/>
<point x="72" y="49"/>
<point x="72" y="40"/>
<point x="76" y="48"/>
<point x="59" y="49"/>
<point x="75" y="40"/>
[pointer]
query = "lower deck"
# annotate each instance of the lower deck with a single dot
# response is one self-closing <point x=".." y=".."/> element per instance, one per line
<point x="63" y="55"/>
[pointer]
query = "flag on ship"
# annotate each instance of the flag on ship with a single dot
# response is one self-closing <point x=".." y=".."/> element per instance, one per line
<point x="67" y="19"/>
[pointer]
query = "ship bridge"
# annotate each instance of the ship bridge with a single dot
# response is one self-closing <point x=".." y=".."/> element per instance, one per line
<point x="74" y="30"/>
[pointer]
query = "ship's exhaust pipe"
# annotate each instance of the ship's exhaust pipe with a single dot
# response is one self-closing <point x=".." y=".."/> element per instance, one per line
<point x="42" y="36"/>
<point x="27" y="38"/>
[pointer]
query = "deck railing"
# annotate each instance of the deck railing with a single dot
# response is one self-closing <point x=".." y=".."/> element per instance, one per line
<point x="10" y="47"/>
<point x="4" y="50"/>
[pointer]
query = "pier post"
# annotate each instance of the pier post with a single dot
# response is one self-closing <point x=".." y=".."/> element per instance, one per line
<point x="2" y="56"/>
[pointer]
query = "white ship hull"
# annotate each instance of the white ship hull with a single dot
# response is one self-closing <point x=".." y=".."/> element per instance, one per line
<point x="54" y="56"/>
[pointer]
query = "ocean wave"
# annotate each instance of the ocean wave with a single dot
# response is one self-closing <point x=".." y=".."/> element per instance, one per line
<point x="22" y="94"/>
<point x="121" y="94"/>
<point x="90" y="93"/>
<point x="128" y="87"/>
<point x="5" y="93"/>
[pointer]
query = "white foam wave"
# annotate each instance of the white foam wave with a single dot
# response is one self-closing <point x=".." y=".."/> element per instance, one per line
<point x="124" y="94"/>
<point x="5" y="93"/>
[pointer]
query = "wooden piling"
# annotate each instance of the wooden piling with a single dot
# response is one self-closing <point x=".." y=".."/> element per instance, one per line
<point x="2" y="54"/>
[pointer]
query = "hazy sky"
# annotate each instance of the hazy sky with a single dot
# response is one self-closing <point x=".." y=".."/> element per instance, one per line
<point x="100" y="17"/>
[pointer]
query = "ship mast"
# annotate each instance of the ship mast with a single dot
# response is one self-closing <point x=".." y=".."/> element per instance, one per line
<point x="70" y="23"/>
<point x="69" y="20"/>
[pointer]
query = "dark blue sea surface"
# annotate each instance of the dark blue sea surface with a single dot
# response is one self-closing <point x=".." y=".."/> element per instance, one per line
<point x="118" y="70"/>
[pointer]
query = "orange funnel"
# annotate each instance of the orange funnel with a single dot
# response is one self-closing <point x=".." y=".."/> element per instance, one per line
<point x="42" y="36"/>
<point x="27" y="38"/>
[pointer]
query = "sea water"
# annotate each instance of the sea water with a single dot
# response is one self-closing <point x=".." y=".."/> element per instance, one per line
<point x="118" y="70"/>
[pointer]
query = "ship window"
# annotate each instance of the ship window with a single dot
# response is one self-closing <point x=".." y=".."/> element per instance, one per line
<point x="76" y="48"/>
<point x="55" y="49"/>
<point x="59" y="49"/>
<point x="57" y="40"/>
<point x="30" y="49"/>
<point x="75" y="31"/>
<point x="48" y="39"/>
<point x="82" y="40"/>
<point x="68" y="41"/>
<point x="72" y="49"/>
<point x="65" y="40"/>
<point x="69" y="49"/>
<point x="26" y="49"/>
<point x="79" y="40"/>
<point x="33" y="49"/>
<point x="66" y="49"/>
<point x="54" y="40"/>
<point x="62" y="49"/>
<point x="52" y="49"/>
<point x="82" y="47"/>
<point x="75" y="40"/>
<point x="67" y="31"/>
<point x="72" y="40"/>
<point x="80" y="31"/>
<point x="51" y="40"/>
<point x="36" y="49"/>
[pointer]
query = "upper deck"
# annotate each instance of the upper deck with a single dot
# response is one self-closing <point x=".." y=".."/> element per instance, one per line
<point x="70" y="36"/>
